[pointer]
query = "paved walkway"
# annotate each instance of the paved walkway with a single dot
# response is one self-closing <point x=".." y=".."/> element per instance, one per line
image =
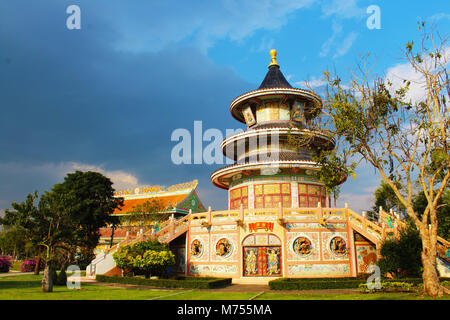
<point x="11" y="273"/>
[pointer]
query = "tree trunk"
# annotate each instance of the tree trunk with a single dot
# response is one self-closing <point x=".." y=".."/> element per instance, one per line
<point x="430" y="275"/>
<point x="47" y="281"/>
<point x="38" y="261"/>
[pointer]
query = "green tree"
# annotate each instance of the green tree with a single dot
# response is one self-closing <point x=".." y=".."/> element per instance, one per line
<point x="406" y="141"/>
<point x="401" y="256"/>
<point x="385" y="197"/>
<point x="66" y="218"/>
<point x="25" y="217"/>
<point x="144" y="258"/>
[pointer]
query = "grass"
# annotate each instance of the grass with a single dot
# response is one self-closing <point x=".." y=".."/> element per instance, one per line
<point x="28" y="287"/>
<point x="211" y="295"/>
<point x="330" y="296"/>
<point x="16" y="265"/>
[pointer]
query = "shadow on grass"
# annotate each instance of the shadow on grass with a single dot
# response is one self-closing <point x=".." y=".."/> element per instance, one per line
<point x="19" y="284"/>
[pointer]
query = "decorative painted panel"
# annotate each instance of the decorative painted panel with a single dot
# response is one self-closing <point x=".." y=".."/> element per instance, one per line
<point x="248" y="116"/>
<point x="297" y="111"/>
<point x="203" y="241"/>
<point x="224" y="247"/>
<point x="366" y="255"/>
<point x="334" y="246"/>
<point x="261" y="240"/>
<point x="212" y="269"/>
<point x="225" y="227"/>
<point x="293" y="243"/>
<point x="318" y="269"/>
<point x="313" y="225"/>
<point x="262" y="261"/>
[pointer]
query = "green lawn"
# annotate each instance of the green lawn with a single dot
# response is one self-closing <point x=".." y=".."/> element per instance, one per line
<point x="16" y="265"/>
<point x="28" y="287"/>
<point x="330" y="296"/>
<point x="211" y="295"/>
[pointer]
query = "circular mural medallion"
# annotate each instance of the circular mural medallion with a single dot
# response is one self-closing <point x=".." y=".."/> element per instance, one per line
<point x="302" y="246"/>
<point x="196" y="248"/>
<point x="223" y="248"/>
<point x="338" y="246"/>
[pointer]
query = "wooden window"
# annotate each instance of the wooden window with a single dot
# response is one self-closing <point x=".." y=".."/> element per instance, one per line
<point x="271" y="194"/>
<point x="239" y="196"/>
<point x="310" y="194"/>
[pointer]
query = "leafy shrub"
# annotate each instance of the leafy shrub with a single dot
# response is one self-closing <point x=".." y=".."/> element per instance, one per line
<point x="181" y="282"/>
<point x="61" y="279"/>
<point x="401" y="257"/>
<point x="329" y="283"/>
<point x="5" y="263"/>
<point x="389" y="286"/>
<point x="314" y="283"/>
<point x="144" y="258"/>
<point x="29" y="265"/>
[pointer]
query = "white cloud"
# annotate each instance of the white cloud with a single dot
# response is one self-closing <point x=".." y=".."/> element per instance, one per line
<point x="439" y="16"/>
<point x="340" y="10"/>
<point x="121" y="179"/>
<point x="200" y="22"/>
<point x="343" y="9"/>
<point x="404" y="71"/>
<point x="55" y="173"/>
<point x="346" y="45"/>
<point x="265" y="45"/>
<point x="313" y="83"/>
<point x="326" y="46"/>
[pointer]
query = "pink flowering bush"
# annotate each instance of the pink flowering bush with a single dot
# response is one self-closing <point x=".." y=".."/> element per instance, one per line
<point x="29" y="265"/>
<point x="5" y="263"/>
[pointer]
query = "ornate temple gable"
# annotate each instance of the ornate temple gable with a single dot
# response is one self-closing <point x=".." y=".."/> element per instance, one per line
<point x="191" y="202"/>
<point x="180" y="196"/>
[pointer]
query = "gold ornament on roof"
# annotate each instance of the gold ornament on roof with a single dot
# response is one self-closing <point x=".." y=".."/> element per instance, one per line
<point x="273" y="55"/>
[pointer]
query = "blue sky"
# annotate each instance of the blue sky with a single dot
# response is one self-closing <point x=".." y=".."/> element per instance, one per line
<point x="108" y="96"/>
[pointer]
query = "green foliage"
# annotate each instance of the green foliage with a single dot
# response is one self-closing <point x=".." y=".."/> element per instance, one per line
<point x="401" y="257"/>
<point x="388" y="287"/>
<point x="385" y="197"/>
<point x="54" y="275"/>
<point x="181" y="282"/>
<point x="88" y="199"/>
<point x="329" y="283"/>
<point x="314" y="283"/>
<point x="67" y="217"/>
<point x="61" y="279"/>
<point x="147" y="258"/>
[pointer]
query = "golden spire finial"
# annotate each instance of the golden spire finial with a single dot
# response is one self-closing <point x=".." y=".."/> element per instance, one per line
<point x="273" y="55"/>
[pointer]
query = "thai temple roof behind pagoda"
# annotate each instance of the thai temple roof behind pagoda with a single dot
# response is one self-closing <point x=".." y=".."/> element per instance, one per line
<point x="176" y="199"/>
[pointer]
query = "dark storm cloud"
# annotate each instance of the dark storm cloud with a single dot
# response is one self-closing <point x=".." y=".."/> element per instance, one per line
<point x="70" y="95"/>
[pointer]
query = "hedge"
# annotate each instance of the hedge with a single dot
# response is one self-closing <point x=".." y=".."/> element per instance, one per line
<point x="314" y="283"/>
<point x="330" y="283"/>
<point x="388" y="286"/>
<point x="181" y="282"/>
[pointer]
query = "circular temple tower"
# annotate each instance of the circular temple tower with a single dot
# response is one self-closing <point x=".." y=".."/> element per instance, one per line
<point x="268" y="169"/>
